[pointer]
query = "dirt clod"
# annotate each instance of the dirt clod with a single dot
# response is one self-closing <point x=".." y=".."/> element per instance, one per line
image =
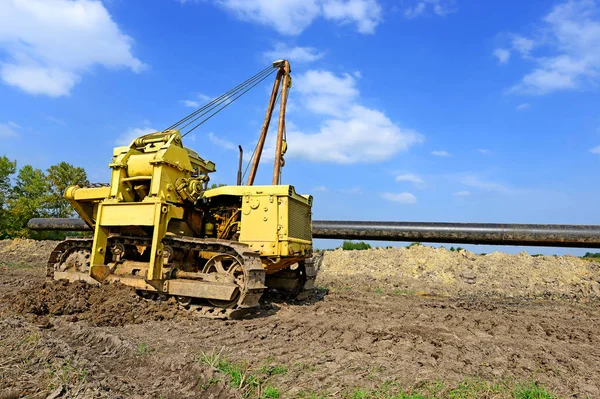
<point x="108" y="305"/>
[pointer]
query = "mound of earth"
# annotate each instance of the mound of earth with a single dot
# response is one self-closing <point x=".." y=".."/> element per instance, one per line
<point x="108" y="305"/>
<point x="25" y="252"/>
<point x="423" y="269"/>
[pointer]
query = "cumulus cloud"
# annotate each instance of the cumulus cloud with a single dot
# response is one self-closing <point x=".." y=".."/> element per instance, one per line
<point x="50" y="44"/>
<point x="365" y="135"/>
<point x="292" y="17"/>
<point x="523" y="107"/>
<point x="326" y="93"/>
<point x="403" y="198"/>
<point x="319" y="188"/>
<point x="133" y="133"/>
<point x="440" y="153"/>
<point x="350" y="132"/>
<point x="438" y="7"/>
<point x="295" y="54"/>
<point x="502" y="54"/>
<point x="567" y="45"/>
<point x="484" y="151"/>
<point x="366" y="14"/>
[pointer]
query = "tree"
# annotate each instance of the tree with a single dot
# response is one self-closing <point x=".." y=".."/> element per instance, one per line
<point x="7" y="168"/>
<point x="59" y="177"/>
<point x="27" y="199"/>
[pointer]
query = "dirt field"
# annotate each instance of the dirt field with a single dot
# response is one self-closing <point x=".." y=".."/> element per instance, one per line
<point x="382" y="321"/>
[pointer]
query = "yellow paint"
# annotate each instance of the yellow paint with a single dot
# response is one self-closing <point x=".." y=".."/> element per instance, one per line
<point x="155" y="179"/>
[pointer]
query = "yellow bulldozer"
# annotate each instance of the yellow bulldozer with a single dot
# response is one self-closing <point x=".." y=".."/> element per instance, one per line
<point x="159" y="228"/>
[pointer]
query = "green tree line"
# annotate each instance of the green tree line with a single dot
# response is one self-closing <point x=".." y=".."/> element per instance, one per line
<point x="28" y="192"/>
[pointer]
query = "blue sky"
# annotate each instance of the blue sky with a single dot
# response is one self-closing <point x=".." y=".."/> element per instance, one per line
<point x="415" y="110"/>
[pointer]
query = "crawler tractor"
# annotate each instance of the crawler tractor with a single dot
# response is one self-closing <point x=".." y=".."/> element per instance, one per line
<point x="158" y="227"/>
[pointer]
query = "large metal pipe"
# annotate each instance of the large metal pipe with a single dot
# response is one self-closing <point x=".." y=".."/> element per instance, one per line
<point x="58" y="224"/>
<point x="549" y="235"/>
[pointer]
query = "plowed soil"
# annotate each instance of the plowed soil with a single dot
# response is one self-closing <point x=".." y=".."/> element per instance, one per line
<point x="405" y="316"/>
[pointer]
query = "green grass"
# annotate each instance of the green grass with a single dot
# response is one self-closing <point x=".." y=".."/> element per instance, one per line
<point x="142" y="349"/>
<point x="405" y="292"/>
<point x="239" y="375"/>
<point x="532" y="391"/>
<point x="66" y="375"/>
<point x="270" y="392"/>
<point x="274" y="370"/>
<point x="467" y="389"/>
<point x="257" y="384"/>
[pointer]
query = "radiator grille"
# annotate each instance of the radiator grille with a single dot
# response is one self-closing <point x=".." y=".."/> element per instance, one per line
<point x="299" y="220"/>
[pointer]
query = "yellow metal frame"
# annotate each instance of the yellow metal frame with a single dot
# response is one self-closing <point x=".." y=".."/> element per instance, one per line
<point x="265" y="220"/>
<point x="155" y="176"/>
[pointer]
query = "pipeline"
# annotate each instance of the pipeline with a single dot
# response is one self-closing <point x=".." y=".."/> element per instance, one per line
<point x="549" y="235"/>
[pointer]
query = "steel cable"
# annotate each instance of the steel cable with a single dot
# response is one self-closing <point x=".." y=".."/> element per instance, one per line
<point x="223" y="107"/>
<point x="222" y="97"/>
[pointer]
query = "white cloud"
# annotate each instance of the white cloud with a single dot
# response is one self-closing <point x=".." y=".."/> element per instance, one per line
<point x="294" y="54"/>
<point x="8" y="130"/>
<point x="50" y="44"/>
<point x="438" y="7"/>
<point x="403" y="198"/>
<point x="325" y="93"/>
<point x="523" y="45"/>
<point x="502" y="54"/>
<point x="365" y="135"/>
<point x="366" y="14"/>
<point x="191" y="103"/>
<point x="569" y="50"/>
<point x="204" y="97"/>
<point x="440" y="153"/>
<point x="291" y="17"/>
<point x="197" y="104"/>
<point x="463" y="193"/>
<point x="484" y="185"/>
<point x="595" y="150"/>
<point x="484" y="151"/>
<point x="221" y="142"/>
<point x="133" y="133"/>
<point x="523" y="107"/>
<point x="409" y="178"/>
<point x="319" y="188"/>
<point x="350" y="132"/>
